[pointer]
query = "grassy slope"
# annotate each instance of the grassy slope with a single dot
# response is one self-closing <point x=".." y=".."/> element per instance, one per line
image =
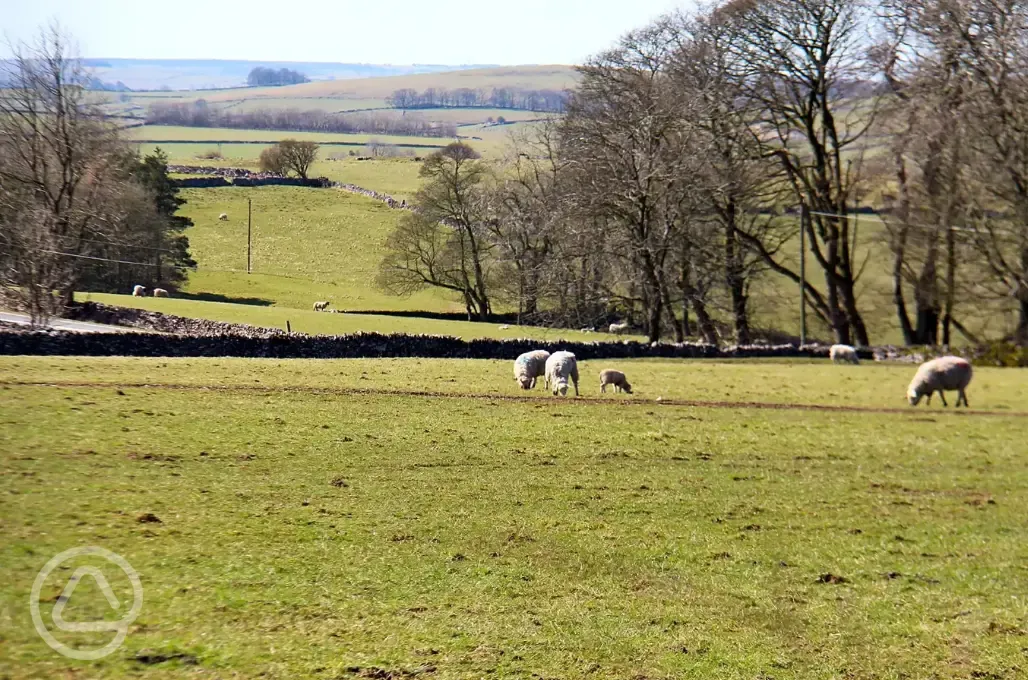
<point x="587" y="540"/>
<point x="555" y="77"/>
<point x="318" y="323"/>
<point x="314" y="245"/>
<point x="158" y="133"/>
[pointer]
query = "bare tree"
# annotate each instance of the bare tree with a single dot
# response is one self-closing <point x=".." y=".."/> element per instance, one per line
<point x="631" y="165"/>
<point x="444" y="243"/>
<point x="794" y="61"/>
<point x="739" y="181"/>
<point x="56" y="153"/>
<point x="932" y="89"/>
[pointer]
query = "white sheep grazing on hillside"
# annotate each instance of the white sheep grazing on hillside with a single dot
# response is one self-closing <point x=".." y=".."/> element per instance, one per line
<point x="559" y="368"/>
<point x="320" y="306"/>
<point x="529" y="366"/>
<point x="223" y="217"/>
<point x="609" y="376"/>
<point x="840" y="354"/>
<point x="618" y="328"/>
<point x="138" y="291"/>
<point x="939" y="375"/>
<point x="160" y="292"/>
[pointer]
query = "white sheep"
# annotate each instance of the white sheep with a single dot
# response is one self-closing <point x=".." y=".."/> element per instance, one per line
<point x="138" y="291"/>
<point x="559" y="368"/>
<point x="609" y="376"/>
<point x="530" y="366"/>
<point x="618" y="328"/>
<point x="223" y="217"/>
<point x="504" y="327"/>
<point x="160" y="292"/>
<point x="939" y="375"/>
<point x="843" y="354"/>
<point x="320" y="306"/>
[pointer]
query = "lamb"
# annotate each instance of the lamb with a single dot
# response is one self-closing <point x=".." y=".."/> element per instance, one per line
<point x="138" y="291"/>
<point x="559" y="368"/>
<point x="223" y="217"/>
<point x="618" y="328"/>
<point x="843" y="354"/>
<point x="160" y="292"/>
<point x="530" y="366"/>
<point x="504" y="327"/>
<point x="938" y="375"/>
<point x="609" y="376"/>
<point x="320" y="306"/>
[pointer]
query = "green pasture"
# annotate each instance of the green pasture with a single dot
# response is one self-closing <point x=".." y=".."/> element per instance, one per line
<point x="285" y="522"/>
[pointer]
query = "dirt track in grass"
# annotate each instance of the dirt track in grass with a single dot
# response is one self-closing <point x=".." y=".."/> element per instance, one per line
<point x="538" y="397"/>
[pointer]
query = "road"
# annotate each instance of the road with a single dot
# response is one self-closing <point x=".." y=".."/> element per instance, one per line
<point x="67" y="324"/>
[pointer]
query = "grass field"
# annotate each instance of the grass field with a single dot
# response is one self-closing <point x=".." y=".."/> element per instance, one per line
<point x="159" y="133"/>
<point x="319" y="323"/>
<point x="311" y="244"/>
<point x="307" y="531"/>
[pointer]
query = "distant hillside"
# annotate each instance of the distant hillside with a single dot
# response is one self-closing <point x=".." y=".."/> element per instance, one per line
<point x="194" y="74"/>
<point x="532" y="77"/>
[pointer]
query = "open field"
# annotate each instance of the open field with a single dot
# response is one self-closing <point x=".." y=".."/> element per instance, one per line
<point x="304" y="320"/>
<point x="312" y="244"/>
<point x="552" y="77"/>
<point x="159" y="133"/>
<point x="307" y="531"/>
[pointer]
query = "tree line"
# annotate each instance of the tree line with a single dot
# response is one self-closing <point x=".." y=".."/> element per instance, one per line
<point x="499" y="98"/>
<point x="262" y="76"/>
<point x="697" y="152"/>
<point x="201" y="114"/>
<point x="79" y="209"/>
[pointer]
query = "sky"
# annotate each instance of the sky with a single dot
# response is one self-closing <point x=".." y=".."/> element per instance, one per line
<point x="349" y="31"/>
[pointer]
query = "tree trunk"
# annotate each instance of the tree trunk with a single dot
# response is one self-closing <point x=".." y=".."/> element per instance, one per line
<point x="707" y="328"/>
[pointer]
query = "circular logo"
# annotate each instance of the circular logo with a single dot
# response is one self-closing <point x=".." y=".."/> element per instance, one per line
<point x="120" y="627"/>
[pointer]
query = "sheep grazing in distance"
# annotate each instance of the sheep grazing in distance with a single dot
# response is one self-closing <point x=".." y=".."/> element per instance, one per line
<point x="320" y="306"/>
<point x="160" y="292"/>
<point x="530" y="366"/>
<point x="618" y="328"/>
<point x="560" y="367"/>
<point x="840" y="354"/>
<point x="939" y="375"/>
<point x="138" y="291"/>
<point x="223" y="217"/>
<point x="609" y="376"/>
<point x="504" y="327"/>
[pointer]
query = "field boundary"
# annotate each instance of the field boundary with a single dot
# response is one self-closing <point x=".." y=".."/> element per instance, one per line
<point x="532" y="398"/>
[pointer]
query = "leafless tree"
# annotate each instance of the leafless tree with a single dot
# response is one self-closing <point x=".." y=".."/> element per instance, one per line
<point x="632" y="166"/>
<point x="445" y="243"/>
<point x="56" y="155"/>
<point x="794" y="61"/>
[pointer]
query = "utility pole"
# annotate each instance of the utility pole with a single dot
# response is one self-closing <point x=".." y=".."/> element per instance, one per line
<point x="804" y="221"/>
<point x="249" y="229"/>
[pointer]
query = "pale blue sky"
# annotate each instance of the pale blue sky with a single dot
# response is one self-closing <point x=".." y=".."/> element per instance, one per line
<point x="366" y="31"/>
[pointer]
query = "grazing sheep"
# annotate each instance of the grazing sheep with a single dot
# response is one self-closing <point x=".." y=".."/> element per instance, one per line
<point x="160" y="292"/>
<point x="559" y="367"/>
<point x="505" y="327"/>
<point x="939" y="375"/>
<point x="840" y="354"/>
<point x="530" y="366"/>
<point x="320" y="306"/>
<point x="138" y="291"/>
<point x="618" y="328"/>
<point x="609" y="376"/>
<point x="223" y="217"/>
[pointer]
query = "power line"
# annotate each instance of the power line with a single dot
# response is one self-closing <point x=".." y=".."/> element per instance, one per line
<point x="875" y="218"/>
